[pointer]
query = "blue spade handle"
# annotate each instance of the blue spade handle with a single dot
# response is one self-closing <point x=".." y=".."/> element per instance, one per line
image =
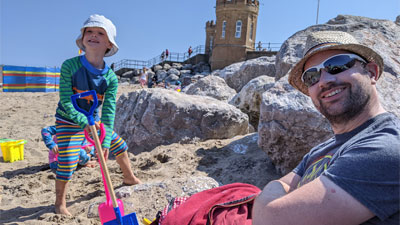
<point x="89" y="114"/>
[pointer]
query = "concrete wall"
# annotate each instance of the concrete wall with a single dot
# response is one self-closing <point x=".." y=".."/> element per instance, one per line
<point x="197" y="58"/>
<point x="256" y="54"/>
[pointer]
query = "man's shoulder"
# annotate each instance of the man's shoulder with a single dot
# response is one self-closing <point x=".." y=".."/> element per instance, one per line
<point x="381" y="133"/>
<point x="384" y="123"/>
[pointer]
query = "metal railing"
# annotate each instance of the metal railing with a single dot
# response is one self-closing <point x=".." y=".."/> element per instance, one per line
<point x="181" y="57"/>
<point x="172" y="57"/>
<point x="267" y="46"/>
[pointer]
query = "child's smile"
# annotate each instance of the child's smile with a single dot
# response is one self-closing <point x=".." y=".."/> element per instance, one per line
<point x="95" y="38"/>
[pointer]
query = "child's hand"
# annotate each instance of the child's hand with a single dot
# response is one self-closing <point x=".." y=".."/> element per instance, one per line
<point x="96" y="124"/>
<point x="55" y="149"/>
<point x="88" y="149"/>
<point x="105" y="152"/>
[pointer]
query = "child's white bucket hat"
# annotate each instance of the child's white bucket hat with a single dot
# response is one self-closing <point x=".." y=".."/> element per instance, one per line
<point x="96" y="20"/>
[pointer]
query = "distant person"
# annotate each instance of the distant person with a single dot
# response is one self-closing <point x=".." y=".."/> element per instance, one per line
<point x="80" y="74"/>
<point x="50" y="140"/>
<point x="162" y="57"/>
<point x="143" y="77"/>
<point x="259" y="46"/>
<point x="190" y="51"/>
<point x="353" y="177"/>
<point x="166" y="54"/>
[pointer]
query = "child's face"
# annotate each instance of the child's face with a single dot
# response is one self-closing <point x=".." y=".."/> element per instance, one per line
<point x="95" y="39"/>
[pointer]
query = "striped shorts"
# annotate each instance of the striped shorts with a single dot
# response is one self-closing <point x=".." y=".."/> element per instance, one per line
<point x="69" y="140"/>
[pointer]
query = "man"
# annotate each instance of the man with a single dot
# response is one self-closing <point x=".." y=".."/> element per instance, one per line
<point x="352" y="178"/>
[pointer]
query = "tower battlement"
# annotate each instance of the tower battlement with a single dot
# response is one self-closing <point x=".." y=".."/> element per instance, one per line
<point x="237" y="2"/>
<point x="234" y="32"/>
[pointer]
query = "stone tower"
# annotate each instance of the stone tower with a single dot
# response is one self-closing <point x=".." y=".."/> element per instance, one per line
<point x="234" y="32"/>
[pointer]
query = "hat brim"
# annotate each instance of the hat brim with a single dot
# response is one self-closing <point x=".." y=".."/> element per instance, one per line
<point x="361" y="50"/>
<point x="112" y="51"/>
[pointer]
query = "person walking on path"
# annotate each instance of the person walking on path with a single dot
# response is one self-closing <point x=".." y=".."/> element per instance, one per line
<point x="166" y="54"/>
<point x="190" y="51"/>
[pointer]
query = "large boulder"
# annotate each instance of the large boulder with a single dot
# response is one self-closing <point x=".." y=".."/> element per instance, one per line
<point x="289" y="124"/>
<point x="239" y="74"/>
<point x="249" y="98"/>
<point x="152" y="117"/>
<point x="381" y="35"/>
<point x="211" y="86"/>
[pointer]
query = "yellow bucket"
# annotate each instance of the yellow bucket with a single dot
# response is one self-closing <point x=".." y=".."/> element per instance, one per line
<point x="13" y="150"/>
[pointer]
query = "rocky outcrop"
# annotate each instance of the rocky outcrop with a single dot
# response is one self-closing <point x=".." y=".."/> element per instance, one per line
<point x="152" y="117"/>
<point x="239" y="74"/>
<point x="211" y="86"/>
<point x="186" y="73"/>
<point x="289" y="123"/>
<point x="249" y="98"/>
<point x="381" y="35"/>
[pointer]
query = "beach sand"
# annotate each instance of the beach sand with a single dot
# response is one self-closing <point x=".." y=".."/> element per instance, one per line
<point x="27" y="190"/>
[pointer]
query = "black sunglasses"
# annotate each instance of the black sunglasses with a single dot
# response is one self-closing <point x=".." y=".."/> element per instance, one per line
<point x="333" y="65"/>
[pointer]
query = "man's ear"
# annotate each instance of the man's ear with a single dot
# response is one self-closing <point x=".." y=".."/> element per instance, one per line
<point x="373" y="71"/>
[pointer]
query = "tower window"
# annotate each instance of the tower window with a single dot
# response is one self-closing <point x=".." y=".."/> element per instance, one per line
<point x="238" y="29"/>
<point x="223" y="29"/>
<point x="211" y="42"/>
<point x="251" y="30"/>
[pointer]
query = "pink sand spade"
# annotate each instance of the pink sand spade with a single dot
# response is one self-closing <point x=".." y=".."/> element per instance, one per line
<point x="104" y="208"/>
<point x="110" y="214"/>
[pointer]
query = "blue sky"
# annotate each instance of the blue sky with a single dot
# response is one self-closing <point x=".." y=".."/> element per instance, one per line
<point x="43" y="32"/>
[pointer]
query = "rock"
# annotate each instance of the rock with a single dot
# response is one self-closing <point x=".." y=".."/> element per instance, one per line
<point x="381" y="35"/>
<point x="161" y="75"/>
<point x="211" y="86"/>
<point x="239" y="74"/>
<point x="152" y="117"/>
<point x="174" y="71"/>
<point x="187" y="67"/>
<point x="249" y="98"/>
<point x="171" y="78"/>
<point x="129" y="74"/>
<point x="289" y="126"/>
<point x="166" y="67"/>
<point x="185" y="72"/>
<point x="157" y="68"/>
<point x="177" y="66"/>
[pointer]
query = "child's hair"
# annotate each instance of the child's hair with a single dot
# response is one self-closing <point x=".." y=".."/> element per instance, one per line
<point x="96" y="20"/>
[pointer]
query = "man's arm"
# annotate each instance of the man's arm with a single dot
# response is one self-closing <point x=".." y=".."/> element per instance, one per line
<point x="319" y="202"/>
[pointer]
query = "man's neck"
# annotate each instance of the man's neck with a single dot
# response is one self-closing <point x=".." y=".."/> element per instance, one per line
<point x="370" y="111"/>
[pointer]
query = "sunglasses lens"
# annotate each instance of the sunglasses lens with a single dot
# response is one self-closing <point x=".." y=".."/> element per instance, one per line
<point x="339" y="64"/>
<point x="311" y="76"/>
<point x="334" y="65"/>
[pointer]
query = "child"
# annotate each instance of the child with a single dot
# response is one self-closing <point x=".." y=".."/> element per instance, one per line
<point x="50" y="140"/>
<point x="80" y="74"/>
<point x="143" y="77"/>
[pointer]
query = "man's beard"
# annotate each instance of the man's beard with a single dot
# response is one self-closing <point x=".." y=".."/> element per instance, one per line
<point x="352" y="106"/>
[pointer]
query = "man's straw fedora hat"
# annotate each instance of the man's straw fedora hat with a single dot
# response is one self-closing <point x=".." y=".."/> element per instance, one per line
<point x="326" y="40"/>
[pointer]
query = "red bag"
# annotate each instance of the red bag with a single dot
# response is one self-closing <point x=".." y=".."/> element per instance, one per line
<point x="229" y="204"/>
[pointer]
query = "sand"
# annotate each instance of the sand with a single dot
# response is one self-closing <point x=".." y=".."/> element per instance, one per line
<point x="27" y="190"/>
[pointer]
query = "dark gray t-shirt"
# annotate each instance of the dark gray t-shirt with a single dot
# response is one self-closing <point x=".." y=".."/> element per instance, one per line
<point x="364" y="162"/>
